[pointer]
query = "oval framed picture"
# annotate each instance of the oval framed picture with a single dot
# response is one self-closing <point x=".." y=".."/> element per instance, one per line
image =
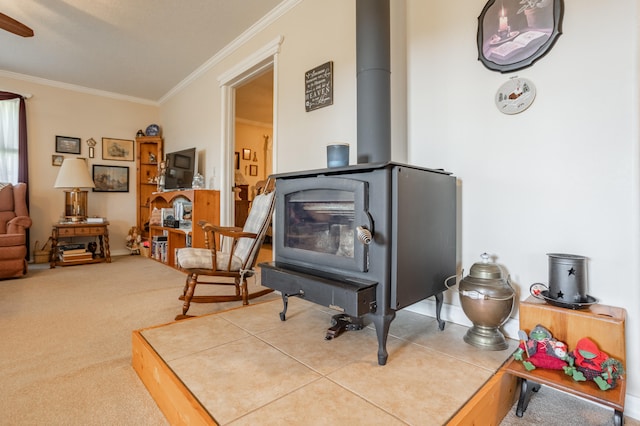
<point x="513" y="34"/>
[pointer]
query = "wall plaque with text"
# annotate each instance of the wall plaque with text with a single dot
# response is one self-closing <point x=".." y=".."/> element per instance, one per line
<point x="318" y="87"/>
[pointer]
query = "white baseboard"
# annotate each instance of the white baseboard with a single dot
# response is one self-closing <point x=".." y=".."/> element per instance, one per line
<point x="456" y="315"/>
<point x="632" y="407"/>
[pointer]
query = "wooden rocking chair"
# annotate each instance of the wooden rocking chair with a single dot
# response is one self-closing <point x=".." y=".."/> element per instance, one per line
<point x="238" y="262"/>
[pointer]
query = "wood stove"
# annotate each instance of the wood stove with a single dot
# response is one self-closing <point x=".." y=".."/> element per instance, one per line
<point x="366" y="240"/>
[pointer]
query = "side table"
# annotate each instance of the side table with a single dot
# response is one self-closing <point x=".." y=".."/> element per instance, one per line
<point x="69" y="230"/>
<point x="603" y="324"/>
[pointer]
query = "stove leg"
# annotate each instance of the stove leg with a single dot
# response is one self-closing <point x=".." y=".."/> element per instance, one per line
<point x="285" y="303"/>
<point x="382" y="323"/>
<point x="439" y="303"/>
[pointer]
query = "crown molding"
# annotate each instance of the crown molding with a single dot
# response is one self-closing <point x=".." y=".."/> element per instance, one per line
<point x="76" y="88"/>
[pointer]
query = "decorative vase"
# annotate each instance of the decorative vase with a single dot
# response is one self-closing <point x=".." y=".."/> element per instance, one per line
<point x="487" y="299"/>
<point x="92" y="247"/>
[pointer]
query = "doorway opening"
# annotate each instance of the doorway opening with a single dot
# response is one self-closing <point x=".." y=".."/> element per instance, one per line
<point x="253" y="148"/>
<point x="243" y="89"/>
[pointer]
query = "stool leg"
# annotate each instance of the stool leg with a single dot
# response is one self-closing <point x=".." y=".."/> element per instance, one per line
<point x="617" y="418"/>
<point x="526" y="388"/>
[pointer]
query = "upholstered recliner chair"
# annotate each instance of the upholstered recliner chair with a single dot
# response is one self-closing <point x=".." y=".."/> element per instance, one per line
<point x="14" y="221"/>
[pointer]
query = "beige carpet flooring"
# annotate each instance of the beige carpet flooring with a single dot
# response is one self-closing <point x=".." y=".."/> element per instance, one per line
<point x="65" y="351"/>
<point x="65" y="335"/>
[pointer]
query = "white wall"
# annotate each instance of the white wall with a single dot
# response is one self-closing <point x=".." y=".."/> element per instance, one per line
<point x="559" y="177"/>
<point x="194" y="113"/>
<point x="250" y="135"/>
<point x="60" y="111"/>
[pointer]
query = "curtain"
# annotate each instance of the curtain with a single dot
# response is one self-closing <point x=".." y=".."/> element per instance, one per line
<point x="7" y="129"/>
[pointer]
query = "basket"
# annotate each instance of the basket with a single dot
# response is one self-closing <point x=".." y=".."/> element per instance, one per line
<point x="42" y="255"/>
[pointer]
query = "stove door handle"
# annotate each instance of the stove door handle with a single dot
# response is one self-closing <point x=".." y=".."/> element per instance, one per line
<point x="364" y="235"/>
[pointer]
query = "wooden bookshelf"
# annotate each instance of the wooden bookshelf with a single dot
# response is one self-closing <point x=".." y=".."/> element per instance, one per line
<point x="148" y="156"/>
<point x="205" y="206"/>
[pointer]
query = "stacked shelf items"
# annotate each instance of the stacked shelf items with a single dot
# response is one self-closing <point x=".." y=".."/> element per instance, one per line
<point x="74" y="253"/>
<point x="159" y="248"/>
<point x="148" y="156"/>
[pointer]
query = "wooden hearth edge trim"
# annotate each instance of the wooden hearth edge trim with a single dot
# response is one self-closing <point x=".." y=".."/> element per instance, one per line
<point x="174" y="399"/>
<point x="491" y="403"/>
<point x="488" y="406"/>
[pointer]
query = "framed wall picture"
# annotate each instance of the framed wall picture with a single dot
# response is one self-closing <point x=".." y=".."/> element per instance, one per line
<point x="253" y="170"/>
<point x="56" y="160"/>
<point x="246" y="154"/>
<point x="67" y="145"/>
<point x="110" y="178"/>
<point x="237" y="161"/>
<point x="117" y="149"/>
<point x="513" y="34"/>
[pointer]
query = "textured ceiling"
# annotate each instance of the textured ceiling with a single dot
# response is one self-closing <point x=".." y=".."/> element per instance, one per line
<point x="137" y="48"/>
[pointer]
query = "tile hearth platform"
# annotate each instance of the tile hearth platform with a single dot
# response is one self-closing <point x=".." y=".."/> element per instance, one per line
<point x="244" y="366"/>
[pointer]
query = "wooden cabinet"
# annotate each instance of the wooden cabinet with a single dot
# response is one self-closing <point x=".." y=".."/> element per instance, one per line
<point x="148" y="156"/>
<point x="241" y="205"/>
<point x="603" y="324"/>
<point x="205" y="206"/>
<point x="71" y="230"/>
<point x="241" y="212"/>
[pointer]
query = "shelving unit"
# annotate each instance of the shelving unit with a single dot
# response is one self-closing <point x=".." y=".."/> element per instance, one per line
<point x="148" y="156"/>
<point x="605" y="325"/>
<point x="205" y="206"/>
<point x="80" y="230"/>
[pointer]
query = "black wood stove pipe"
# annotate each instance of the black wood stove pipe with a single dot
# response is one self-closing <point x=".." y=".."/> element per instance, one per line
<point x="373" y="52"/>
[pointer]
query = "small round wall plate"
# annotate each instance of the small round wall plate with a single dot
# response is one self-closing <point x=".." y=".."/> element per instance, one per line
<point x="515" y="95"/>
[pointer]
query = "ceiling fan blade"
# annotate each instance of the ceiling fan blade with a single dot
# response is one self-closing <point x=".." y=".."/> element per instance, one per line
<point x="13" y="26"/>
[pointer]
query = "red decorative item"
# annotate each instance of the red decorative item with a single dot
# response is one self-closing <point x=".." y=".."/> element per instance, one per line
<point x="542" y="350"/>
<point x="596" y="365"/>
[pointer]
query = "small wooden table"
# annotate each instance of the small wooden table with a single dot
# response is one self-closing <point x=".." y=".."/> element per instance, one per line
<point x="603" y="324"/>
<point x="69" y="230"/>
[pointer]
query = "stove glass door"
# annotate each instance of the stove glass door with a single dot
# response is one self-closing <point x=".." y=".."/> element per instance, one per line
<point x="319" y="222"/>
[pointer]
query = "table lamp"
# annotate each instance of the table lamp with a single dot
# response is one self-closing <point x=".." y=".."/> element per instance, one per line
<point x="74" y="174"/>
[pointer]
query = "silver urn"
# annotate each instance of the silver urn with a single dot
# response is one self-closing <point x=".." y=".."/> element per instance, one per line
<point x="487" y="299"/>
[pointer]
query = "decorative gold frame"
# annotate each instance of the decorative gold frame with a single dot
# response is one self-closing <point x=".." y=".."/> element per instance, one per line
<point x="118" y="149"/>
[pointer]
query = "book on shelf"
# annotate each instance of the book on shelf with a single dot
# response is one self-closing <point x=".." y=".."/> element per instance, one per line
<point x="96" y="219"/>
<point x="76" y="257"/>
<point x="76" y="260"/>
<point x="71" y="246"/>
<point x="73" y="251"/>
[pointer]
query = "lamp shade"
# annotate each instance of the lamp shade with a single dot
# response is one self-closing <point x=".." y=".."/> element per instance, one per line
<point x="74" y="173"/>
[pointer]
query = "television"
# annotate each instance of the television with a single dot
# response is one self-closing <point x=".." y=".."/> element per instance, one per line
<point x="180" y="168"/>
